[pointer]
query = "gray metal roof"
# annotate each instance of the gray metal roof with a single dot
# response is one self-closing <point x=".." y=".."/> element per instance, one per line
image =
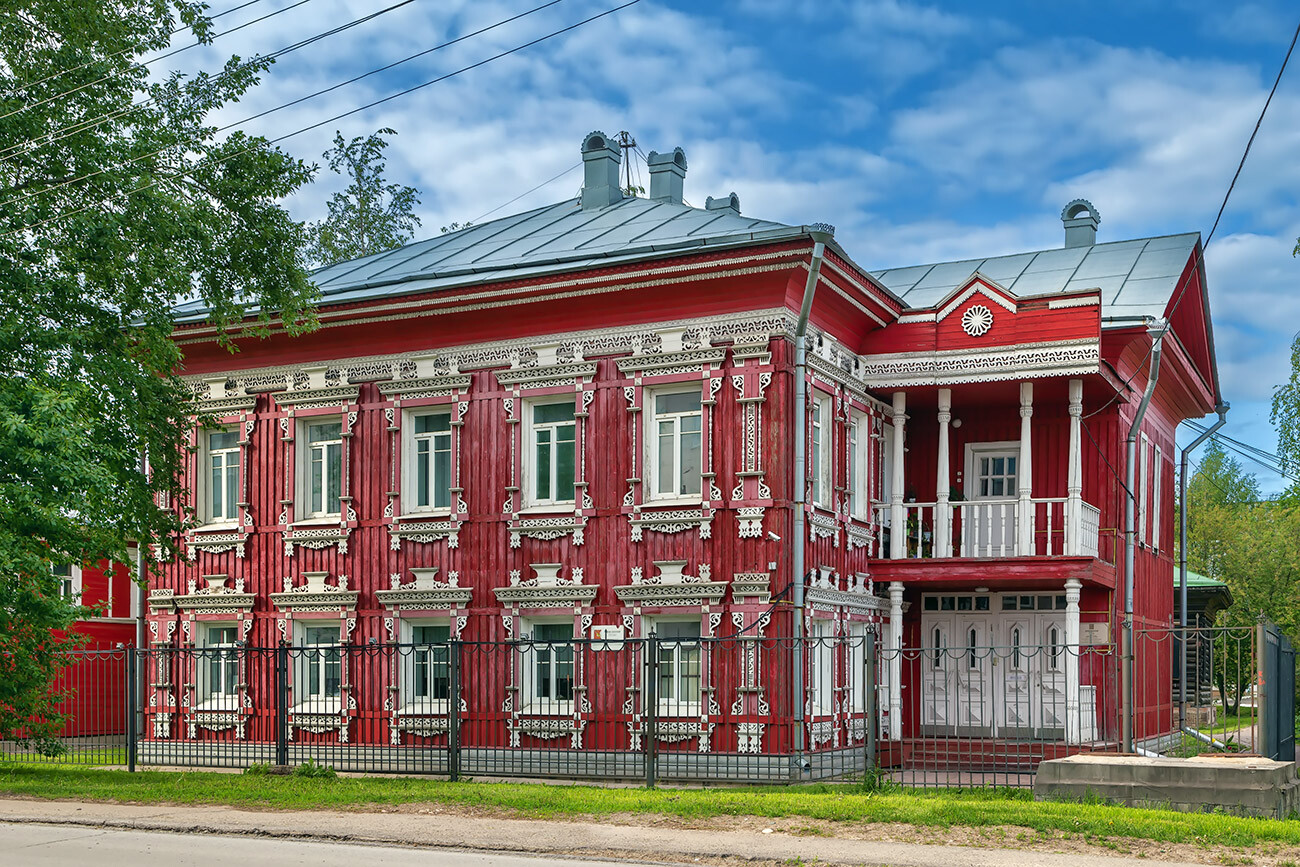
<point x="554" y="238"/>
<point x="1136" y="278"/>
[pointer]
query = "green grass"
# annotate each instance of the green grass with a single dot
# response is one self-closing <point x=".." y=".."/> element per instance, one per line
<point x="835" y="803"/>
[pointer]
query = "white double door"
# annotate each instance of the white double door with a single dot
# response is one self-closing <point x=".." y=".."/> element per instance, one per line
<point x="993" y="675"/>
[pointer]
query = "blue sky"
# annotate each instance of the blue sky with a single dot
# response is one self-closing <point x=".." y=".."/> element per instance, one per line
<point x="923" y="131"/>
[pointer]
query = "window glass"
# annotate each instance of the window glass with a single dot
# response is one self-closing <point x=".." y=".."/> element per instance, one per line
<point x="553" y="673"/>
<point x="684" y="401"/>
<point x="677" y="448"/>
<point x="432" y="461"/>
<point x="679" y="664"/>
<point x="554" y="439"/>
<point x="223" y="476"/>
<point x="222" y="660"/>
<point x="325" y="468"/>
<point x="322" y="663"/>
<point x="430" y="662"/>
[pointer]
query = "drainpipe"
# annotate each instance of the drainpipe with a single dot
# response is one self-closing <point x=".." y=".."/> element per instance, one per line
<point x="821" y="234"/>
<point x="1156" y="329"/>
<point x="1222" y="410"/>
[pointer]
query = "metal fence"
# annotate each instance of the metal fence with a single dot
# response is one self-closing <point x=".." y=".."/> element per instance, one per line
<point x="950" y="712"/>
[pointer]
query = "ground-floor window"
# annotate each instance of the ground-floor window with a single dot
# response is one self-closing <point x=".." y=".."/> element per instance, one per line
<point x="680" y="685"/>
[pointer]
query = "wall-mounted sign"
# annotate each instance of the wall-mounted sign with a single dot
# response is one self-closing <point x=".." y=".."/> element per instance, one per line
<point x="607" y="637"/>
<point x="1094" y="633"/>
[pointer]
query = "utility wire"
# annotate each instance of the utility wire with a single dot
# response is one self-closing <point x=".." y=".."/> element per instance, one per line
<point x="55" y="75"/>
<point x="329" y="89"/>
<point x="317" y="125"/>
<point x="526" y="192"/>
<point x="197" y="42"/>
<point x="1200" y="256"/>
<point x="8" y="154"/>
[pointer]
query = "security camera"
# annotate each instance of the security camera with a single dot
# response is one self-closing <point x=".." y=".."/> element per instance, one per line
<point x="805" y="766"/>
<point x="773" y="536"/>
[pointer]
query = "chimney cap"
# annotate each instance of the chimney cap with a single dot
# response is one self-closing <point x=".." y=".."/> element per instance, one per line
<point x="677" y="158"/>
<point x="1076" y="208"/>
<point x="597" y="141"/>
<point x="1080" y="219"/>
<point x="729" y="202"/>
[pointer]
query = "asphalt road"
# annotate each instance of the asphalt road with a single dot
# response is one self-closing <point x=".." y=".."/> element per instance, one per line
<point x="41" y="845"/>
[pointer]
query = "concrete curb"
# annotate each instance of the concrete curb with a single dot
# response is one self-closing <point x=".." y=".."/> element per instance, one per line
<point x="533" y="837"/>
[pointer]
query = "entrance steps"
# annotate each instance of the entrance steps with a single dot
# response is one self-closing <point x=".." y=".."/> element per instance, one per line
<point x="991" y="755"/>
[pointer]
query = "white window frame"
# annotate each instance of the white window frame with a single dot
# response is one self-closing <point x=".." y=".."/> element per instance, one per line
<point x="70" y="586"/>
<point x="227" y="656"/>
<point x="410" y="460"/>
<point x="1156" y="467"/>
<point x="859" y="472"/>
<point x="1144" y="489"/>
<point x="302" y="508"/>
<point x="820" y="441"/>
<point x="409" y="658"/>
<point x="206" y="513"/>
<point x="975" y="451"/>
<point x="529" y="462"/>
<point x="679" y="651"/>
<point x="304" y="702"/>
<point x="652" y="444"/>
<point x="886" y="468"/>
<point x="821" y="668"/>
<point x="858" y="638"/>
<point x="534" y="704"/>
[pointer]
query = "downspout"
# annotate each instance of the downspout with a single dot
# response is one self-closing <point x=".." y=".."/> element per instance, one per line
<point x="1222" y="410"/>
<point x="1157" y="331"/>
<point x="821" y="234"/>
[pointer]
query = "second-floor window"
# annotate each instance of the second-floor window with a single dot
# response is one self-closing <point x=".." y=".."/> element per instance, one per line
<point x="222" y="501"/>
<point x="432" y="459"/>
<point x="551" y="453"/>
<point x="676" y="430"/>
<point x="67" y="580"/>
<point x="821" y="452"/>
<point x="324" y="469"/>
<point x="859" y="437"/>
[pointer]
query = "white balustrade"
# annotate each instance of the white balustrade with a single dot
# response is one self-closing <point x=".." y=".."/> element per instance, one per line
<point x="987" y="528"/>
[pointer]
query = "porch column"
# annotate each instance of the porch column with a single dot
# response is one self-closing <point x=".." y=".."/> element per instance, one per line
<point x="1024" y="475"/>
<point x="942" y="512"/>
<point x="897" y="520"/>
<point x="896" y="660"/>
<point x="1073" y="720"/>
<point x="1074" y="475"/>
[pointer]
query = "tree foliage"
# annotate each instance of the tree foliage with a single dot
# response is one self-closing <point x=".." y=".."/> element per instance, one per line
<point x="371" y="215"/>
<point x="117" y="202"/>
<point x="1285" y="416"/>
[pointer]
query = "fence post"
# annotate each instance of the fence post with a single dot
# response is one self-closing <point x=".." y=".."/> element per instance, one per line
<point x="1264" y="729"/>
<point x="131" y="733"/>
<point x="651" y="710"/>
<point x="453" y="712"/>
<point x="281" y="704"/>
<point x="869" y="696"/>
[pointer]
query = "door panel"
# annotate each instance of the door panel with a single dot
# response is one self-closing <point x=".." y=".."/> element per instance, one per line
<point x="937" y="677"/>
<point x="974" y="677"/>
<point x="1051" y="722"/>
<point x="1018" y="661"/>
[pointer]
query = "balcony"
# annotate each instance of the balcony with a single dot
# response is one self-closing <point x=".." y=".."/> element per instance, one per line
<point x="1055" y="526"/>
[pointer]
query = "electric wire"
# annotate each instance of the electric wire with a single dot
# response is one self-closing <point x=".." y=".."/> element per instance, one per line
<point x="79" y="66"/>
<point x="1200" y="255"/>
<point x="152" y="60"/>
<point x="22" y="148"/>
<point x="544" y="183"/>
<point x="317" y="125"/>
<point x="321" y="92"/>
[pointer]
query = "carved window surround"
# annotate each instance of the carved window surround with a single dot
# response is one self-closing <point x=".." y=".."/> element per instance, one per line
<point x="674" y="358"/>
<point x="671" y="587"/>
<point x="751" y="494"/>
<point x="234" y="410"/>
<point x="214" y="601"/>
<point x="546" y="590"/>
<point x="548" y="371"/>
<point x="314" y="595"/>
<point x="316" y="603"/>
<point x="425" y="594"/>
<point x="433" y="381"/>
<point x="314" y="395"/>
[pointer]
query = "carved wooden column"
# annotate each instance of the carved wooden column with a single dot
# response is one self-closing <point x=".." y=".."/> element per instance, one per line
<point x="1072" y="710"/>
<point x="1074" y="477"/>
<point x="897" y="522"/>
<point x="896" y="660"/>
<point x="1024" y="475"/>
<point x="942" y="511"/>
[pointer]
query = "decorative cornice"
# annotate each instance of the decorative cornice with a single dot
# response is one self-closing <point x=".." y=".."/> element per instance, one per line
<point x="684" y="361"/>
<point x="313" y="398"/>
<point x="860" y="600"/>
<point x="1064" y="358"/>
<point x="427" y="599"/>
<point x="547" y="376"/>
<point x="427" y="386"/>
<point x="561" y="596"/>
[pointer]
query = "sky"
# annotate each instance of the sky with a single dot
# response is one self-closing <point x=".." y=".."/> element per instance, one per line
<point x="922" y="131"/>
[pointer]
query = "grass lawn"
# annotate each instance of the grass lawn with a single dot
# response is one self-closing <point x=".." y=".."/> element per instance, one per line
<point x="836" y="803"/>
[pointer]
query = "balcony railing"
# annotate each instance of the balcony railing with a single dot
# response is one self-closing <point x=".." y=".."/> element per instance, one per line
<point x="990" y="528"/>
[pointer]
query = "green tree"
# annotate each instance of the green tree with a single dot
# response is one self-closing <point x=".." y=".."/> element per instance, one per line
<point x="117" y="202"/>
<point x="371" y="215"/>
<point x="1216" y="492"/>
<point x="1285" y="416"/>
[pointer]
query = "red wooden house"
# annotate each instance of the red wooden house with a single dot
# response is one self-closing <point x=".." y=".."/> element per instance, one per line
<point x="93" y="679"/>
<point x="579" y="422"/>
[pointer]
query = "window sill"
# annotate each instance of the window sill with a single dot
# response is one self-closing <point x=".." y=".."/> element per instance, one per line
<point x="325" y="521"/>
<point x="225" y="703"/>
<point x="564" y="509"/>
<point x="679" y="711"/>
<point x="223" y="527"/>
<point x="672" y="503"/>
<point x="437" y="708"/>
<point x="333" y="706"/>
<point x="554" y="708"/>
<point x="431" y="514"/>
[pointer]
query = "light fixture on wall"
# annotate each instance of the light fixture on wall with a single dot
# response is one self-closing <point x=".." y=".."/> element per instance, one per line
<point x="956" y="422"/>
<point x="981" y="589"/>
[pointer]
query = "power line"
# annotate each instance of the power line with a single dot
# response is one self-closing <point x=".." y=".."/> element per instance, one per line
<point x="1200" y="256"/>
<point x="54" y="75"/>
<point x="8" y="154"/>
<point x="194" y="44"/>
<point x="309" y="96"/>
<point x="526" y="192"/>
<point x="329" y="120"/>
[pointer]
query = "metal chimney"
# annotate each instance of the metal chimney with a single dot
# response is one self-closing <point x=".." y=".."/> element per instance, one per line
<point x="600" y="162"/>
<point x="667" y="175"/>
<point x="1080" y="219"/>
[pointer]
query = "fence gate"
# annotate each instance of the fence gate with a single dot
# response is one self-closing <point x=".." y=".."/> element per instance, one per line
<point x="1276" y="694"/>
